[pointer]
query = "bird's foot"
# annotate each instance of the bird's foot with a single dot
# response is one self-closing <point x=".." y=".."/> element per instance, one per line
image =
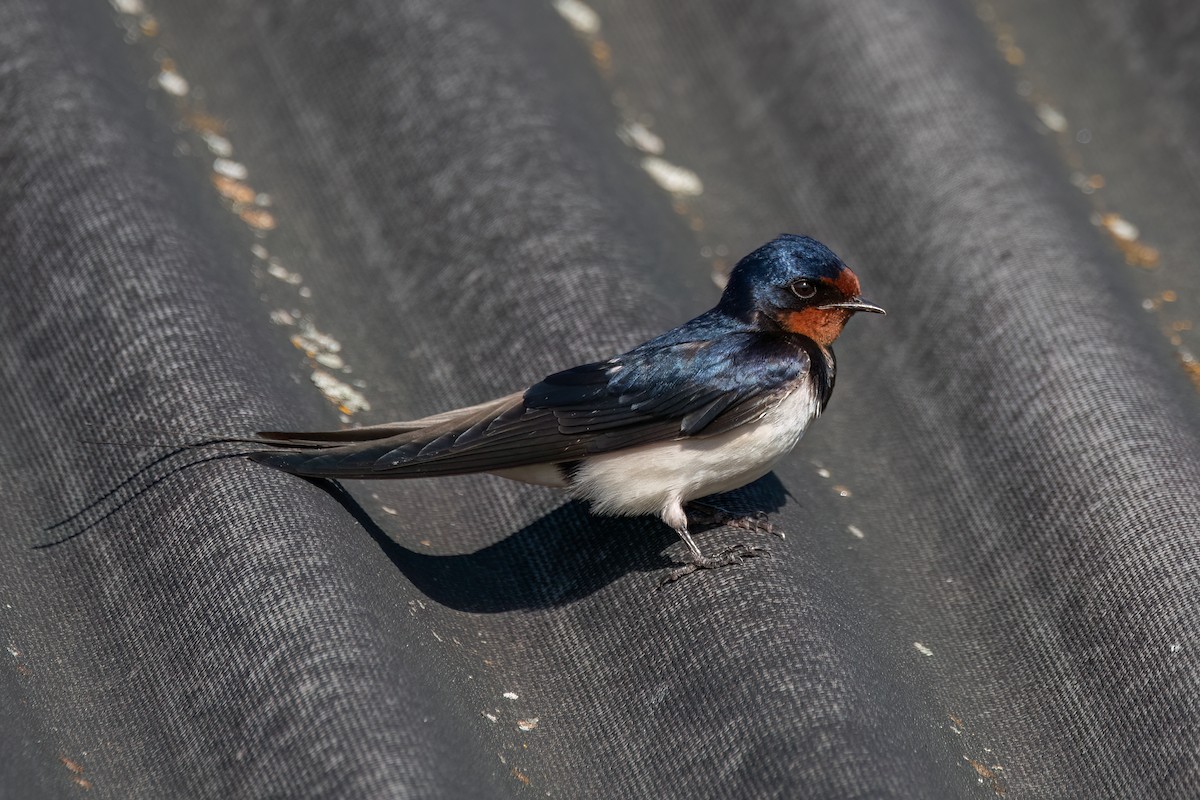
<point x="754" y="521"/>
<point x="726" y="558"/>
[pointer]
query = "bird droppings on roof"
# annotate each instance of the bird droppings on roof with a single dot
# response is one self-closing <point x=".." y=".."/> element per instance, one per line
<point x="637" y="135"/>
<point x="233" y="190"/>
<point x="324" y="350"/>
<point x="1087" y="183"/>
<point x="677" y="180"/>
<point x="230" y="169"/>
<point x="230" y="179"/>
<point x="1123" y="233"/>
<point x="1051" y="117"/>
<point x="172" y="82"/>
<point x="635" y="129"/>
<point x="279" y="272"/>
<point x="579" y="16"/>
<point x="217" y="144"/>
<point x="71" y="765"/>
<point x="313" y="342"/>
<point x="340" y="393"/>
<point x="258" y="218"/>
<point x="1120" y="228"/>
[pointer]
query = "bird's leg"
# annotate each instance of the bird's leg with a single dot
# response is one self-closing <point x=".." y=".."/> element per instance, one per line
<point x="675" y="516"/>
<point x="709" y="514"/>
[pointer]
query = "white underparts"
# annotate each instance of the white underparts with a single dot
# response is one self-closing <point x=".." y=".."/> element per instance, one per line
<point x="659" y="478"/>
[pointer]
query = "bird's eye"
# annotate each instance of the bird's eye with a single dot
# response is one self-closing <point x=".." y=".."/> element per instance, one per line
<point x="804" y="289"/>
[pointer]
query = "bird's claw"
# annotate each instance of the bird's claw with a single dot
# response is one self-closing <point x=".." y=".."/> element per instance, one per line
<point x="726" y="558"/>
<point x="754" y="521"/>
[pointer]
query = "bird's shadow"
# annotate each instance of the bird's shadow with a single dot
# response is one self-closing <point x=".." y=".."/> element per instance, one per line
<point x="563" y="556"/>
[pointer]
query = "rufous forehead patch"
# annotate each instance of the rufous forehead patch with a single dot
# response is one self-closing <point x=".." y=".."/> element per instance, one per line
<point x="847" y="283"/>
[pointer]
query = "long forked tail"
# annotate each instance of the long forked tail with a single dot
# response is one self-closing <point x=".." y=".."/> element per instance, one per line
<point x="327" y="454"/>
<point x="479" y="438"/>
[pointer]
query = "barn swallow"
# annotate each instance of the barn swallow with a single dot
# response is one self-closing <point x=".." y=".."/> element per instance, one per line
<point x="702" y="409"/>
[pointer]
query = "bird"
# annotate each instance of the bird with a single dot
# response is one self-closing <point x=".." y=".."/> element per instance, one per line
<point x="705" y="408"/>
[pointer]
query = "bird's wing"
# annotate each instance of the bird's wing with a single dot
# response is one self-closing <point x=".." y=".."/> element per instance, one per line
<point x="650" y="394"/>
<point x="681" y="390"/>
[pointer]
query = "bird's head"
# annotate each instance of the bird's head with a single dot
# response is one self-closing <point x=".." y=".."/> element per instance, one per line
<point x="796" y="284"/>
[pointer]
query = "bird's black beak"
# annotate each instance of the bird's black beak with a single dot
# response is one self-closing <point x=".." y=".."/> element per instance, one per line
<point x="857" y="304"/>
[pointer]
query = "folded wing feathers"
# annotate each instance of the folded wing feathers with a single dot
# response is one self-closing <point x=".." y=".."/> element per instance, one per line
<point x="697" y="420"/>
<point x="590" y="409"/>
